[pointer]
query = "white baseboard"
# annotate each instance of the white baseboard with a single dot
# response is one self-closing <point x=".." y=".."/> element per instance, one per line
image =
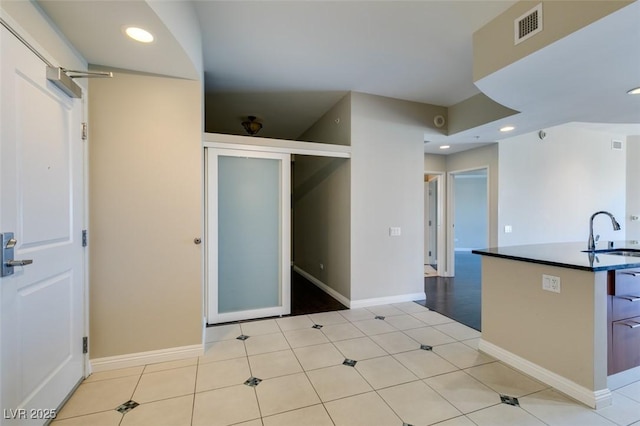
<point x="322" y="286"/>
<point x="144" y="358"/>
<point x="363" y="303"/>
<point x="593" y="398"/>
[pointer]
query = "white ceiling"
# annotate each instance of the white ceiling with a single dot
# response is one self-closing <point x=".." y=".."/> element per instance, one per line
<point x="288" y="62"/>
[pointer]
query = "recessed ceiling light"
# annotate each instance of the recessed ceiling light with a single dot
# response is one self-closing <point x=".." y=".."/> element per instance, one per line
<point x="635" y="91"/>
<point x="507" y="128"/>
<point x="138" y="34"/>
<point x="445" y="146"/>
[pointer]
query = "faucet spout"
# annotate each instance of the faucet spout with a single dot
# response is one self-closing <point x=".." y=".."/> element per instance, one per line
<point x="591" y="244"/>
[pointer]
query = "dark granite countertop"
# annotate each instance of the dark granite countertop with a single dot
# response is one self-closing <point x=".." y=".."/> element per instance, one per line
<point x="568" y="255"/>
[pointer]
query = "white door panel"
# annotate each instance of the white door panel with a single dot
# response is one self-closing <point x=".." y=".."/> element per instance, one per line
<point x="41" y="202"/>
<point x="248" y="220"/>
<point x="44" y="168"/>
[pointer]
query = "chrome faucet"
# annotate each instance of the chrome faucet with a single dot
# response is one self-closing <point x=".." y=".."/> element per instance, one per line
<point x="591" y="245"/>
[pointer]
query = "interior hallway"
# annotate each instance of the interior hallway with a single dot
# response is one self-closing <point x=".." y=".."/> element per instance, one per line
<point x="385" y="365"/>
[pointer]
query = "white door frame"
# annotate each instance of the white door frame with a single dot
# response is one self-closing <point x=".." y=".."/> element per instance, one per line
<point x="441" y="222"/>
<point x="213" y="316"/>
<point x="450" y="270"/>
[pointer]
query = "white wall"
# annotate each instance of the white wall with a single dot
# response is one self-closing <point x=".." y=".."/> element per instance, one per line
<point x="633" y="188"/>
<point x="37" y="28"/>
<point x="549" y="188"/>
<point x="387" y="178"/>
<point x="181" y="19"/>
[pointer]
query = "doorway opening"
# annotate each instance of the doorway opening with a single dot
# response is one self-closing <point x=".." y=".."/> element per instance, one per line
<point x="321" y="218"/>
<point x="470" y="222"/>
<point x="457" y="293"/>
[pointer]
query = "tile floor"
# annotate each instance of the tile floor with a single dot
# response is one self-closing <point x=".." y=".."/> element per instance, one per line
<point x="398" y="364"/>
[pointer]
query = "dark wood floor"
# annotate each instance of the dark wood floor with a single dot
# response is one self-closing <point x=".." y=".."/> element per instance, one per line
<point x="307" y="298"/>
<point x="458" y="297"/>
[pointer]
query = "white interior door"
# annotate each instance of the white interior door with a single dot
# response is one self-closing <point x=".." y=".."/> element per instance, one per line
<point x="248" y="223"/>
<point x="431" y="222"/>
<point x="41" y="202"/>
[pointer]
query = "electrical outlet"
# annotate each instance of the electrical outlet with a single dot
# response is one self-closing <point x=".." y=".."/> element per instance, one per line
<point x="394" y="231"/>
<point x="322" y="266"/>
<point x="551" y="283"/>
<point x="508" y="229"/>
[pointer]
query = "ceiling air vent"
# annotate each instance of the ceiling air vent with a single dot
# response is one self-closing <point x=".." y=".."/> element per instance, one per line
<point x="528" y="25"/>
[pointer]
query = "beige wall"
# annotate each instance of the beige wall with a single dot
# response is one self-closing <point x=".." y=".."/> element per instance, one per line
<point x="145" y="174"/>
<point x="435" y="163"/>
<point x="322" y="204"/>
<point x="493" y="44"/>
<point x="385" y="189"/>
<point x="476" y="111"/>
<point x="322" y="220"/>
<point x="564" y="332"/>
<point x="334" y="126"/>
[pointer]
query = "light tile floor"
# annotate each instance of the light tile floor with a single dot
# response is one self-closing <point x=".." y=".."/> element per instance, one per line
<point x="412" y="366"/>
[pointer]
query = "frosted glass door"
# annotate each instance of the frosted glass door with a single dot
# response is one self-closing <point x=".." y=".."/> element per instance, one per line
<point x="248" y="216"/>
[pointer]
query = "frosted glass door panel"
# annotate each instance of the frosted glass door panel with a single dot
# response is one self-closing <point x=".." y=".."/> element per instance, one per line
<point x="249" y="232"/>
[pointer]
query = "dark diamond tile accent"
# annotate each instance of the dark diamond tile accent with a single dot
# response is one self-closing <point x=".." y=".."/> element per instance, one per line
<point x="242" y="337"/>
<point x="252" y="381"/>
<point x="127" y="406"/>
<point x="380" y="317"/>
<point x="511" y="400"/>
<point x="426" y="347"/>
<point x="349" y="362"/>
<point x="317" y="326"/>
<point x="407" y="424"/>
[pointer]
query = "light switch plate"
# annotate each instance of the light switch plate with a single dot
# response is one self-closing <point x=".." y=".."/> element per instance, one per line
<point x="551" y="283"/>
<point x="394" y="231"/>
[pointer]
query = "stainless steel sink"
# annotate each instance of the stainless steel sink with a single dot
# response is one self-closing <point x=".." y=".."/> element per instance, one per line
<point x="617" y="252"/>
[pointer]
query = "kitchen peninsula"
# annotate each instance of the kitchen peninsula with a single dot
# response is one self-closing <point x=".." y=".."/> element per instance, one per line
<point x="550" y="310"/>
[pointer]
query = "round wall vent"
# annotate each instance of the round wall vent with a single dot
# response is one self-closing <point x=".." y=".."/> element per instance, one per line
<point x="439" y="121"/>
